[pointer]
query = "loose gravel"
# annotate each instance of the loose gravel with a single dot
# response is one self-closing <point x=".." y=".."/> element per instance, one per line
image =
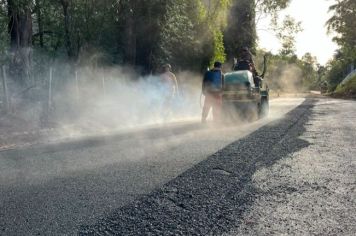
<point x="312" y="191"/>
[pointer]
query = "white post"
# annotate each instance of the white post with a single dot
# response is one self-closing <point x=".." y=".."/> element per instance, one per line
<point x="104" y="87"/>
<point x="77" y="84"/>
<point x="6" y="95"/>
<point x="50" y="88"/>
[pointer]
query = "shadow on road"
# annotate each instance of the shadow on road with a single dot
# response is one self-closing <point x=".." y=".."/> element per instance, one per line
<point x="211" y="197"/>
<point x="95" y="141"/>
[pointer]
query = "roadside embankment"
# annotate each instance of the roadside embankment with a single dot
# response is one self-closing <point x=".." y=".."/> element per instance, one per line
<point x="347" y="89"/>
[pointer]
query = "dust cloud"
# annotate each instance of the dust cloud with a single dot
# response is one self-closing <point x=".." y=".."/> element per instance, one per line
<point x="285" y="79"/>
<point x="90" y="101"/>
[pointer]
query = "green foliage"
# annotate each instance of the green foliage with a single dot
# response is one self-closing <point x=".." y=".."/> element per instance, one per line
<point x="309" y="67"/>
<point x="178" y="39"/>
<point x="271" y="6"/>
<point x="286" y="33"/>
<point x="343" y="23"/>
<point x="347" y="89"/>
<point x="219" y="49"/>
<point x="339" y="67"/>
<point x="241" y="28"/>
<point x="216" y="20"/>
<point x="189" y="34"/>
<point x="286" y="29"/>
<point x="52" y="27"/>
<point x="4" y="40"/>
<point x="20" y="5"/>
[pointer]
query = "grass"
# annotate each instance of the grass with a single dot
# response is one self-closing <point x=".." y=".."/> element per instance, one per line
<point x="347" y="90"/>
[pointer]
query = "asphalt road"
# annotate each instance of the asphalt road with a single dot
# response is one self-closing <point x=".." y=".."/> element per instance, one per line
<point x="192" y="179"/>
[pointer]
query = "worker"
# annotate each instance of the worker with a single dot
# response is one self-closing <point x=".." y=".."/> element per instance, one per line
<point x="246" y="55"/>
<point x="169" y="81"/>
<point x="169" y="89"/>
<point x="212" y="90"/>
<point x="245" y="61"/>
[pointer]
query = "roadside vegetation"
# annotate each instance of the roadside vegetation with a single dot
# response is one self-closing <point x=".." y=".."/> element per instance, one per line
<point x="55" y="54"/>
<point x="189" y="34"/>
<point x="141" y="35"/>
<point x="347" y="89"/>
<point x="343" y="25"/>
<point x="48" y="45"/>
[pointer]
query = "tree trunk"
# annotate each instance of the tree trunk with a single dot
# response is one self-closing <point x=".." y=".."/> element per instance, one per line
<point x="39" y="22"/>
<point x="130" y="39"/>
<point x="67" y="38"/>
<point x="241" y="30"/>
<point x="20" y="30"/>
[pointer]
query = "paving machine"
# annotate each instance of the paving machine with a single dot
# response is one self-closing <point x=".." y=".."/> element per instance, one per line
<point x="245" y="94"/>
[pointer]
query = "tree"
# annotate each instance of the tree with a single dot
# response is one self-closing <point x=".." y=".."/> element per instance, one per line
<point x="148" y="24"/>
<point x="309" y="66"/>
<point x="214" y="17"/>
<point x="269" y="8"/>
<point x="66" y="16"/>
<point x="190" y="34"/>
<point x="20" y="31"/>
<point x="343" y="23"/>
<point x="286" y="33"/>
<point x="4" y="39"/>
<point x="177" y="37"/>
<point x="243" y="17"/>
<point x="241" y="28"/>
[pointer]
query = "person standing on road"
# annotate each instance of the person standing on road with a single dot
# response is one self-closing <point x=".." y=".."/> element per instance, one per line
<point x="169" y="89"/>
<point x="212" y="90"/>
<point x="169" y="81"/>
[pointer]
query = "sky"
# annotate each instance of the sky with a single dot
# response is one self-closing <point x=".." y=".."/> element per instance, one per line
<point x="314" y="39"/>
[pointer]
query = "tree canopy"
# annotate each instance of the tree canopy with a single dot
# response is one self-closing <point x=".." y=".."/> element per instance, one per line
<point x="189" y="34"/>
<point x="343" y="25"/>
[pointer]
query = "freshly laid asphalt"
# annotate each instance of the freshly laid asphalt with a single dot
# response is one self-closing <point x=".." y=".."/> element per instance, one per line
<point x="210" y="198"/>
<point x="188" y="179"/>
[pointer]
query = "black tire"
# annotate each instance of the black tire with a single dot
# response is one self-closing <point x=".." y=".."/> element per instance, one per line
<point x="263" y="108"/>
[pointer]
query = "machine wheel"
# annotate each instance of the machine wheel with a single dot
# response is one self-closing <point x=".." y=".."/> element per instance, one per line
<point x="230" y="113"/>
<point x="263" y="109"/>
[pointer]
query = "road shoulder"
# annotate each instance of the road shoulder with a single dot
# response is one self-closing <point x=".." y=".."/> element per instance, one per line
<point x="312" y="191"/>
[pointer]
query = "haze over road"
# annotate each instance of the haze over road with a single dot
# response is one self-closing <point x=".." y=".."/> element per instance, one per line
<point x="62" y="189"/>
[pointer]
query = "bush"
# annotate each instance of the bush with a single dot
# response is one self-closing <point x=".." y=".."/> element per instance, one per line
<point x="347" y="89"/>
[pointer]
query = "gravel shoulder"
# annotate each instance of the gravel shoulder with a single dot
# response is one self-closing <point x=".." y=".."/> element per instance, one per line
<point x="311" y="191"/>
<point x="221" y="195"/>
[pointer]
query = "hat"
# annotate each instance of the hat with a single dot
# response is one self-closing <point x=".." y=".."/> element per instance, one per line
<point x="168" y="66"/>
<point x="217" y="64"/>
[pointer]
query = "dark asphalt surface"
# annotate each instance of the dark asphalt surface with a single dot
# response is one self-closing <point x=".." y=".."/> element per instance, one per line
<point x="211" y="197"/>
<point x="186" y="179"/>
